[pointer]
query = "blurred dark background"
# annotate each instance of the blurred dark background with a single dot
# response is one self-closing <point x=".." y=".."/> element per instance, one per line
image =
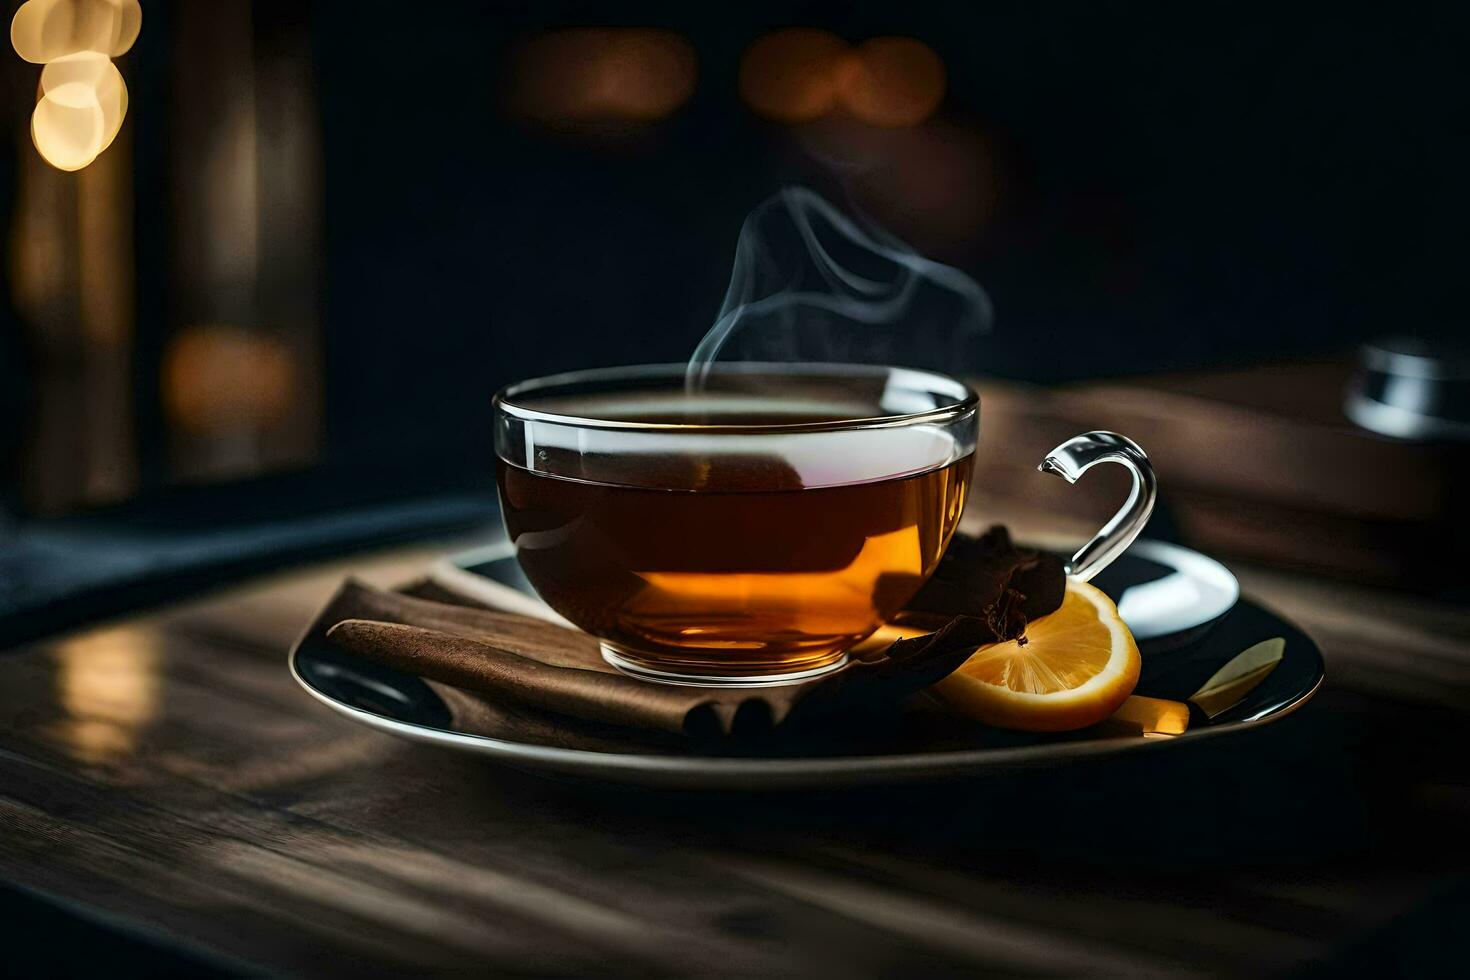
<point x="266" y="322"/>
<point x="328" y="232"/>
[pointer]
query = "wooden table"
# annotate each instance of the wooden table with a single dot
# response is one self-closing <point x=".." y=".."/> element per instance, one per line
<point x="163" y="776"/>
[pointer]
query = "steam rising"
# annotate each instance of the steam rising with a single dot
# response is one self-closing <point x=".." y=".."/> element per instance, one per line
<point x="810" y="284"/>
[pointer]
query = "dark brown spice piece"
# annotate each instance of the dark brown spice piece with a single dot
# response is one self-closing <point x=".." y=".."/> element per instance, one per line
<point x="975" y="572"/>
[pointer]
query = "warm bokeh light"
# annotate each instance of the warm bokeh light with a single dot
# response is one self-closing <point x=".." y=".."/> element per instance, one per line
<point x="800" y="75"/>
<point x="645" y="75"/>
<point x="893" y="81"/>
<point x="794" y="75"/>
<point x="107" y="683"/>
<point x="222" y="379"/>
<point x="590" y="75"/>
<point x="83" y="97"/>
<point x="68" y="137"/>
<point x="82" y="80"/>
<point x="44" y="30"/>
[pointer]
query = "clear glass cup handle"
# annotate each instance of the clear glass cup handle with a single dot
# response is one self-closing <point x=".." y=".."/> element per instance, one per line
<point x="1078" y="455"/>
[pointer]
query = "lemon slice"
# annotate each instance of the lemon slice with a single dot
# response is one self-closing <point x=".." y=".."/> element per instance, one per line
<point x="1072" y="669"/>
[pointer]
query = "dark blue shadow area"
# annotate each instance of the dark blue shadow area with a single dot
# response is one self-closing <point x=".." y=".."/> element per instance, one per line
<point x="49" y="938"/>
<point x="60" y="573"/>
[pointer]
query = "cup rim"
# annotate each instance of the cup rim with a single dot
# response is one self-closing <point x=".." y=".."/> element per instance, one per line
<point x="969" y="399"/>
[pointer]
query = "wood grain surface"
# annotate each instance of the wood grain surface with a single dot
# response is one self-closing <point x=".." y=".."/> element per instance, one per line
<point x="164" y="772"/>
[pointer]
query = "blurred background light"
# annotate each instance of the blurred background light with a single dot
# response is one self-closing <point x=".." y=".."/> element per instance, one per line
<point x="893" y="81"/>
<point x="108" y="686"/>
<point x="591" y="75"/>
<point x="85" y="79"/>
<point x="800" y="75"/>
<point x="68" y="136"/>
<point x="44" y="30"/>
<point x="83" y="97"/>
<point x="793" y="75"/>
<point x="224" y="380"/>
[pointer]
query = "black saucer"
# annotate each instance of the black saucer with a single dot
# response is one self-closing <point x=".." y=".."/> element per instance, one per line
<point x="1174" y="666"/>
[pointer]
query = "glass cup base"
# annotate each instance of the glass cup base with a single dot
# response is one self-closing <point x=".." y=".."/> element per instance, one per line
<point x="633" y="668"/>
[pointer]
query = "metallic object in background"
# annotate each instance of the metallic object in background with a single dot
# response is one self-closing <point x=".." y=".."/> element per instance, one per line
<point x="1411" y="389"/>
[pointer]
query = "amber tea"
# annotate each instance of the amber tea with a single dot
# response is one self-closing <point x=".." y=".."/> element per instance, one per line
<point x="753" y="534"/>
<point x="750" y="530"/>
<point x="746" y="571"/>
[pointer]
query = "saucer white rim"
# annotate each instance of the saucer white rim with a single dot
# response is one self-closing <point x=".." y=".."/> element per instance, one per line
<point x="1196" y="565"/>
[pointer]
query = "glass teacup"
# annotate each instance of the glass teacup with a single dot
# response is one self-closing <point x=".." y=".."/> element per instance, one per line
<point x="754" y="529"/>
<point x="750" y="531"/>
